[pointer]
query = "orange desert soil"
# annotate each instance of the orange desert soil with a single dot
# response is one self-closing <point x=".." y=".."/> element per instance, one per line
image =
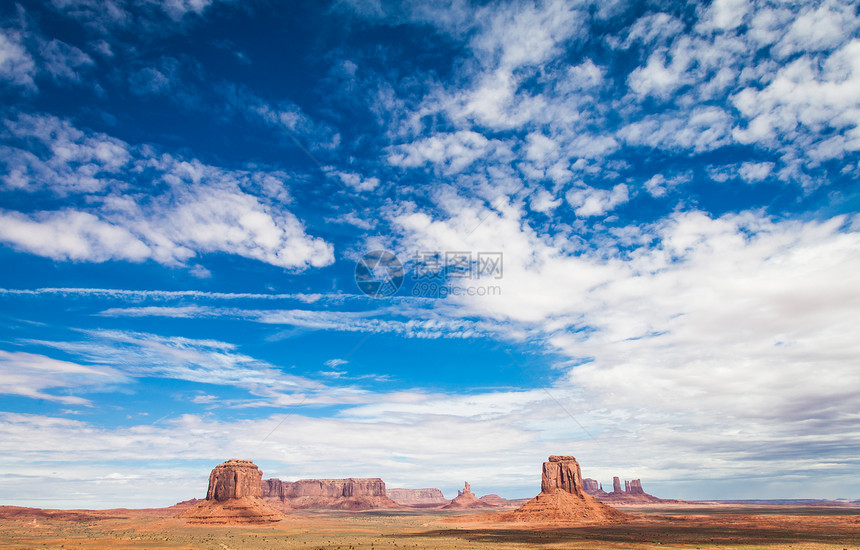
<point x="689" y="526"/>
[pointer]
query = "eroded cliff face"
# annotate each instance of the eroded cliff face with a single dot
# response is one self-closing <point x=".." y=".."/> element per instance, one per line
<point x="349" y="493"/>
<point x="561" y="472"/>
<point x="416" y="497"/>
<point x="233" y="497"/>
<point x="234" y="479"/>
<point x="332" y="488"/>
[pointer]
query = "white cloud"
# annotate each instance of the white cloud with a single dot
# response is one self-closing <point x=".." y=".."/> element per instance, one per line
<point x="70" y="235"/>
<point x="200" y="209"/>
<point x="706" y="335"/>
<point x="755" y="171"/>
<point x="658" y="185"/>
<point x="590" y="201"/>
<point x="356" y="181"/>
<point x="522" y="34"/>
<point x="541" y="149"/>
<point x="177" y="9"/>
<point x="805" y="98"/>
<point x="544" y="201"/>
<point x="106" y="15"/>
<point x="138" y="295"/>
<point x="818" y="28"/>
<point x="726" y="14"/>
<point x="29" y="375"/>
<point x="16" y="64"/>
<point x="74" y="161"/>
<point x="702" y="129"/>
<point x="656" y="78"/>
<point x="650" y="29"/>
<point x="420" y="320"/>
<point x="214" y="362"/>
<point x="64" y="61"/>
<point x="451" y="152"/>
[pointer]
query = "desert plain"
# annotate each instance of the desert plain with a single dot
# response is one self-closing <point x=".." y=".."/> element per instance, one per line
<point x="695" y="525"/>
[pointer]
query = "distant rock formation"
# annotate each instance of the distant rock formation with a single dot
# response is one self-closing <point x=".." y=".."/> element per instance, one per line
<point x="466" y="499"/>
<point x="417" y="497"/>
<point x="562" y="497"/>
<point x="341" y="494"/>
<point x="632" y="493"/>
<point x="590" y="486"/>
<point x="233" y="497"/>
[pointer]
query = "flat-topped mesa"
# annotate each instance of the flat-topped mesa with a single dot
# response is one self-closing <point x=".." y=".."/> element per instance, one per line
<point x="417" y="497"/>
<point x="233" y="497"/>
<point x="561" y="472"/>
<point x="350" y="493"/>
<point x="636" y="487"/>
<point x="234" y="479"/>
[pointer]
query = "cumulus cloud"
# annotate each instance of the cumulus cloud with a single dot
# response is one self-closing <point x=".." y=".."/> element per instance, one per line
<point x="596" y="202"/>
<point x="544" y="201"/>
<point x="452" y="152"/>
<point x="796" y="101"/>
<point x="70" y="235"/>
<point x="16" y="64"/>
<point x="200" y="209"/>
<point x="656" y="78"/>
<point x="704" y="129"/>
<point x="803" y="98"/>
<point x="755" y="171"/>
<point x="694" y="321"/>
<point x="356" y="181"/>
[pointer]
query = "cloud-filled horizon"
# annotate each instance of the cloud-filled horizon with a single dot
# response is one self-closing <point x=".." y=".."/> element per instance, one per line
<point x="623" y="231"/>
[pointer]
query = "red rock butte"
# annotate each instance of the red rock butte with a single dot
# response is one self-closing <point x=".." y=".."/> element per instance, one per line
<point x="631" y="494"/>
<point x="233" y="497"/>
<point x="234" y="479"/>
<point x="466" y="499"/>
<point x="562" y="497"/>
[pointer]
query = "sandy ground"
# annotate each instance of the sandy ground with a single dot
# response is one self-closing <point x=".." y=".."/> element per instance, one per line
<point x="703" y="526"/>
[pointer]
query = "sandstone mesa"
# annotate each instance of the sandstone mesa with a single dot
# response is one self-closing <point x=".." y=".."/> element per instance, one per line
<point x="563" y="498"/>
<point x="234" y="496"/>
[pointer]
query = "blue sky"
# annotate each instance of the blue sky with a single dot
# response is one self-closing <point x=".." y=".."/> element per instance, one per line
<point x="186" y="188"/>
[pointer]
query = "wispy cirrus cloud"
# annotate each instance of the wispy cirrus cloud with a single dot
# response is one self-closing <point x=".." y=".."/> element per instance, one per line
<point x="30" y="375"/>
